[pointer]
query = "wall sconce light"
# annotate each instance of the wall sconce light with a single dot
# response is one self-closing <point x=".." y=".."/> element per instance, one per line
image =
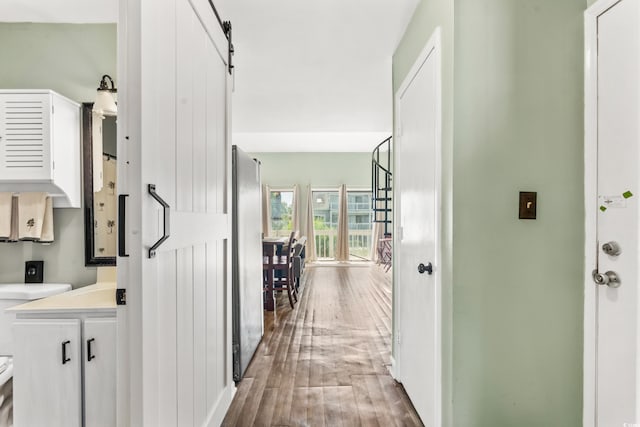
<point x="105" y="103"/>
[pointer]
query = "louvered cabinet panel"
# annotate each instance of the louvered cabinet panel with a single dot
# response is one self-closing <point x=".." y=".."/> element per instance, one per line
<point x="25" y="137"/>
<point x="40" y="145"/>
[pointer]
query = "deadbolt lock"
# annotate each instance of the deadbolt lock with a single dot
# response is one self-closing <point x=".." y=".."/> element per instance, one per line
<point x="610" y="278"/>
<point x="611" y="249"/>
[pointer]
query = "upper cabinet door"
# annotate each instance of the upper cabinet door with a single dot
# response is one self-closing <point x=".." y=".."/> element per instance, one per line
<point x="40" y="145"/>
<point x="25" y="136"/>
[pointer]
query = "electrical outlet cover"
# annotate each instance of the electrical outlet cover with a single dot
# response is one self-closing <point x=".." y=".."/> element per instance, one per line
<point x="34" y="272"/>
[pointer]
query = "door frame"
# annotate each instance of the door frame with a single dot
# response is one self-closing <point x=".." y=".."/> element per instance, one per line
<point x="591" y="15"/>
<point x="432" y="47"/>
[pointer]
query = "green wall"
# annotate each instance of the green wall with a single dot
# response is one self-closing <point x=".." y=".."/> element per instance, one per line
<point x="69" y="59"/>
<point x="516" y="356"/>
<point x="320" y="170"/>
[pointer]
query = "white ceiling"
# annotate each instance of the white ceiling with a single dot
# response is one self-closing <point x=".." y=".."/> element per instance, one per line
<point x="309" y="71"/>
<point x="310" y="75"/>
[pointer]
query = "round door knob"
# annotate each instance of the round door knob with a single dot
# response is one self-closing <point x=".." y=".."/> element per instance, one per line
<point x="428" y="268"/>
<point x="610" y="279"/>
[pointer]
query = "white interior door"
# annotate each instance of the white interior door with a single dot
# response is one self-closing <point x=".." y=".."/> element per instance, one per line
<point x="616" y="136"/>
<point x="174" y="365"/>
<point x="417" y="193"/>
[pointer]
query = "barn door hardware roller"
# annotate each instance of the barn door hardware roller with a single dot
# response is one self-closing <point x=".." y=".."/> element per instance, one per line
<point x="226" y="29"/>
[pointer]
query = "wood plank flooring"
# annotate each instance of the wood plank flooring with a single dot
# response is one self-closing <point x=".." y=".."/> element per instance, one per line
<point x="324" y="363"/>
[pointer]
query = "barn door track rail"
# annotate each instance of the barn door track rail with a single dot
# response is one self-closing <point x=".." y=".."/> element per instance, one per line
<point x="226" y="29"/>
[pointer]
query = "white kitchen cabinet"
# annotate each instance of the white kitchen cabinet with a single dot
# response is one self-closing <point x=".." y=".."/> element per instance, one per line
<point x="40" y="145"/>
<point x="47" y="377"/>
<point x="52" y="391"/>
<point x="99" y="338"/>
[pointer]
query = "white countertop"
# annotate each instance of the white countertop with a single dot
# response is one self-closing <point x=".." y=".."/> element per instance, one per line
<point x="101" y="296"/>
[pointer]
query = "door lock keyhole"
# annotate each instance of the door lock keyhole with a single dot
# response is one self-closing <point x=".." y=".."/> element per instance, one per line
<point x="611" y="249"/>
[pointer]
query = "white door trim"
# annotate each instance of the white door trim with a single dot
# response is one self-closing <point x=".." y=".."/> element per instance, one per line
<point x="431" y="48"/>
<point x="590" y="200"/>
<point x="129" y="348"/>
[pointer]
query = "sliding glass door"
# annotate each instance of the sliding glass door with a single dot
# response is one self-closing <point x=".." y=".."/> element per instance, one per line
<point x="325" y="223"/>
<point x="360" y="213"/>
<point x="325" y="213"/>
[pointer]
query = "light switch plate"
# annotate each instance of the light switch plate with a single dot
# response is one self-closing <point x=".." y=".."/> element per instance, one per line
<point x="528" y="205"/>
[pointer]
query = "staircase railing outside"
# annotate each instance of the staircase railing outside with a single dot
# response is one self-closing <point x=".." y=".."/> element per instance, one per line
<point x="381" y="183"/>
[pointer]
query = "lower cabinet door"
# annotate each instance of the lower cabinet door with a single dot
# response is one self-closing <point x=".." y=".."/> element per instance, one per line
<point x="47" y="373"/>
<point x="99" y="360"/>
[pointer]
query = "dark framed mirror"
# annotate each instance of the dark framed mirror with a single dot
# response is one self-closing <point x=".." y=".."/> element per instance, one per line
<point x="99" y="154"/>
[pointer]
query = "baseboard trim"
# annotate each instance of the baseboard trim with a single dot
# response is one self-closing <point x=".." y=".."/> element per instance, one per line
<point x="393" y="369"/>
<point x="219" y="411"/>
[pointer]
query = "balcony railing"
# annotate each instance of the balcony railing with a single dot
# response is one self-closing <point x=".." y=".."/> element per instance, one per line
<point x="359" y="243"/>
<point x="352" y="207"/>
<point x="326" y="240"/>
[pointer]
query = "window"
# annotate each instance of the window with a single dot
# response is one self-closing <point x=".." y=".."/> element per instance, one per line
<point x="281" y="203"/>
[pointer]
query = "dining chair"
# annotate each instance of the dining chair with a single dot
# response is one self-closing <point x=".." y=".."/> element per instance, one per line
<point x="283" y="277"/>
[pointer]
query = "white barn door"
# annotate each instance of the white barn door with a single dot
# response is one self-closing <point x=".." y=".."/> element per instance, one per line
<point x="174" y="336"/>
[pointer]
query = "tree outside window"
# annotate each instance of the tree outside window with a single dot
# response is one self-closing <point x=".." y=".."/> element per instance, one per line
<point x="281" y="202"/>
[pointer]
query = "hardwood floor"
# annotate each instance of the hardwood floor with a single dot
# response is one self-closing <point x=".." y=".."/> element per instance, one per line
<point x="324" y="363"/>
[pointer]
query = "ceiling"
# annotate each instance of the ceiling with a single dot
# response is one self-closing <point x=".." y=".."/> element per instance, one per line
<point x="310" y="75"/>
<point x="310" y="71"/>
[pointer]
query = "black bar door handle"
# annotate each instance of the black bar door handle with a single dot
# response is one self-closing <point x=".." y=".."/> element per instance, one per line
<point x="65" y="359"/>
<point x="122" y="216"/>
<point x="90" y="356"/>
<point x="167" y="220"/>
